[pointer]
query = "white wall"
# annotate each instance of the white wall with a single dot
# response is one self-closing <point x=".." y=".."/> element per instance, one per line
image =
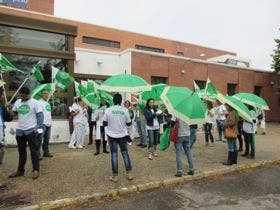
<point x="101" y="62"/>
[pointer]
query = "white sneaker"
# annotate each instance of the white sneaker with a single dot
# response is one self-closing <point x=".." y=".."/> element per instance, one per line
<point x="80" y="147"/>
<point x="150" y="156"/>
<point x="129" y="143"/>
<point x="71" y="147"/>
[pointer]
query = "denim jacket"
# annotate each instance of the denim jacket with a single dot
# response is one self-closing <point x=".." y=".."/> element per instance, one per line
<point x="150" y="117"/>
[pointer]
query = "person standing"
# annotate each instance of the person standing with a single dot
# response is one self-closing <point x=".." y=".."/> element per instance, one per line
<point x="221" y="117"/>
<point x="193" y="136"/>
<point x="91" y="123"/>
<point x="5" y="116"/>
<point x="210" y="119"/>
<point x="30" y="124"/>
<point x="248" y="128"/>
<point x="240" y="134"/>
<point x="46" y="125"/>
<point x="79" y="122"/>
<point x="116" y="119"/>
<point x="183" y="141"/>
<point x="261" y="121"/>
<point x="231" y="122"/>
<point x="153" y="126"/>
<point x="141" y="128"/>
<point x="100" y="129"/>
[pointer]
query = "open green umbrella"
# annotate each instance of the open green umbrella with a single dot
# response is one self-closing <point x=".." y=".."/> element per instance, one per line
<point x="125" y="83"/>
<point x="236" y="104"/>
<point x="252" y="99"/>
<point x="37" y="92"/>
<point x="184" y="104"/>
<point x="92" y="100"/>
<point x="106" y="96"/>
<point x="206" y="95"/>
<point x="154" y="93"/>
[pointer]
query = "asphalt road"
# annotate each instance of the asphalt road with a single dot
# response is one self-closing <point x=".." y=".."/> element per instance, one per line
<point x="257" y="189"/>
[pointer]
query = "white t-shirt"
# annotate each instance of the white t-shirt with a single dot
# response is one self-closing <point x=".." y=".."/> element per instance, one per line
<point x="47" y="112"/>
<point x="93" y="115"/>
<point x="209" y="118"/>
<point x="99" y="115"/>
<point x="184" y="128"/>
<point x="219" y="110"/>
<point x="27" y="111"/>
<point x="117" y="117"/>
<point x="155" y="124"/>
<point x="80" y="117"/>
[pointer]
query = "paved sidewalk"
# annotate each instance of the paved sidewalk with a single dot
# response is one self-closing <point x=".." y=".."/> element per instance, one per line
<point x="72" y="173"/>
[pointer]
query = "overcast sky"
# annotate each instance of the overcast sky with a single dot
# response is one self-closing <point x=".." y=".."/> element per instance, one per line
<point x="247" y="27"/>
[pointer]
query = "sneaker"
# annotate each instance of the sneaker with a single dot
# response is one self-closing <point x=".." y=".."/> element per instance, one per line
<point x="80" y="147"/>
<point x="150" y="156"/>
<point x="16" y="174"/>
<point x="71" y="147"/>
<point x="48" y="155"/>
<point x="139" y="145"/>
<point x="212" y="144"/>
<point x="263" y="133"/>
<point x="129" y="143"/>
<point x="3" y="186"/>
<point x="191" y="172"/>
<point x="144" y="146"/>
<point x="35" y="175"/>
<point x="207" y="144"/>
<point x="114" y="178"/>
<point x="178" y="174"/>
<point x="129" y="176"/>
<point x="155" y="154"/>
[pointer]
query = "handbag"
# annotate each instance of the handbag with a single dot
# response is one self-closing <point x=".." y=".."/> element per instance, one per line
<point x="230" y="133"/>
<point x="174" y="133"/>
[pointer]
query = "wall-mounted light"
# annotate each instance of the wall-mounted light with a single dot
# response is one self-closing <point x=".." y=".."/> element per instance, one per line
<point x="183" y="71"/>
<point x="202" y="55"/>
<point x="272" y="82"/>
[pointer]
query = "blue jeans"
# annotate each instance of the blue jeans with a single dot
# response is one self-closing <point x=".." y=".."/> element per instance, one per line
<point x="114" y="142"/>
<point x="220" y="125"/>
<point x="183" y="141"/>
<point x="153" y="139"/>
<point x="141" y="127"/>
<point x="231" y="145"/>
<point x="192" y="136"/>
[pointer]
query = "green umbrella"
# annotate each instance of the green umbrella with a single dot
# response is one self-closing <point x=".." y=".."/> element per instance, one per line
<point x="37" y="92"/>
<point x="154" y="93"/>
<point x="252" y="99"/>
<point x="184" y="104"/>
<point x="236" y="104"/>
<point x="106" y="96"/>
<point x="206" y="95"/>
<point x="92" y="100"/>
<point x="125" y="83"/>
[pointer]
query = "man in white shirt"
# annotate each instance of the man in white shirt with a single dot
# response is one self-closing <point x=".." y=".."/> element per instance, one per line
<point x="47" y="124"/>
<point x="117" y="119"/>
<point x="30" y="124"/>
<point x="221" y="112"/>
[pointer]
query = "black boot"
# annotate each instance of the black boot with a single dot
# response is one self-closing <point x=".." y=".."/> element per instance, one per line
<point x="234" y="157"/>
<point x="105" y="147"/>
<point x="97" y="145"/>
<point x="229" y="160"/>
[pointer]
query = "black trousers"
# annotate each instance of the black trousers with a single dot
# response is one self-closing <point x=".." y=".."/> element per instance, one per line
<point x="34" y="151"/>
<point x="91" y="125"/>
<point x="239" y="136"/>
<point x="208" y="132"/>
<point x="249" y="144"/>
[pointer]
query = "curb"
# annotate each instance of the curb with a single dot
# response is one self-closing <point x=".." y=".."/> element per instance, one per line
<point x="71" y="203"/>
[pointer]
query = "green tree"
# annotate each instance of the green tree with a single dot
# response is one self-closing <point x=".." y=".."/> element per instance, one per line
<point x="276" y="57"/>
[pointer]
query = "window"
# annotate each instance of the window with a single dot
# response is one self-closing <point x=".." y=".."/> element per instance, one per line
<point x="152" y="49"/>
<point x="257" y="90"/>
<point x="231" y="62"/>
<point x="101" y="42"/>
<point x="231" y="88"/>
<point x="201" y="83"/>
<point x="158" y="80"/>
<point x="180" y="53"/>
<point x="31" y="38"/>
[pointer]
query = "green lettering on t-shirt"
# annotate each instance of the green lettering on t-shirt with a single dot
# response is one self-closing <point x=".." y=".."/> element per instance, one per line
<point x="48" y="107"/>
<point x="117" y="112"/>
<point x="24" y="109"/>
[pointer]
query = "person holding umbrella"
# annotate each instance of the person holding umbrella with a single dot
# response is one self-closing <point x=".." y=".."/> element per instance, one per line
<point x="231" y="124"/>
<point x="221" y="112"/>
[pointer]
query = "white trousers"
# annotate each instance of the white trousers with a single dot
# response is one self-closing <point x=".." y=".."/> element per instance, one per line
<point x="78" y="135"/>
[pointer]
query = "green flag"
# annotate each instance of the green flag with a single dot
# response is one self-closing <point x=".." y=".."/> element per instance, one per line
<point x="61" y="78"/>
<point x="210" y="89"/>
<point x="6" y="66"/>
<point x="36" y="72"/>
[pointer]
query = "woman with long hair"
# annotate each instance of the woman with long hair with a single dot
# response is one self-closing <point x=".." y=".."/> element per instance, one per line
<point x="153" y="126"/>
